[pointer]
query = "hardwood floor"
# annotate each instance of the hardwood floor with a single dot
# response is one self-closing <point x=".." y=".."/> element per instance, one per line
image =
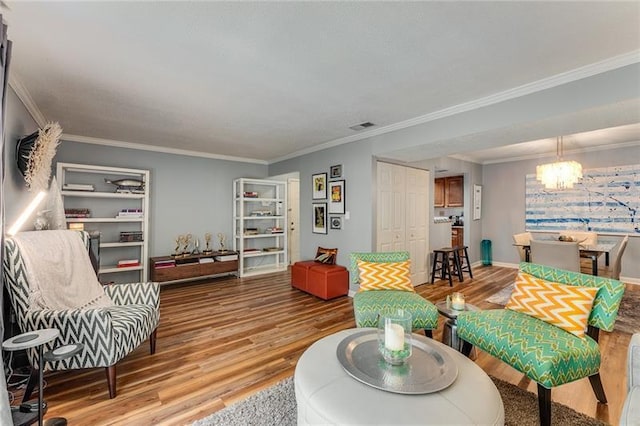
<point x="222" y="340"/>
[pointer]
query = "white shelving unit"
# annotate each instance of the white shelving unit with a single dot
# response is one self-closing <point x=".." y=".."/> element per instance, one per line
<point x="260" y="205"/>
<point x="105" y="204"/>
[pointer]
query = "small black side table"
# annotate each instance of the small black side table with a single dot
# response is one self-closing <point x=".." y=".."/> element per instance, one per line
<point x="449" y="332"/>
<point x="31" y="340"/>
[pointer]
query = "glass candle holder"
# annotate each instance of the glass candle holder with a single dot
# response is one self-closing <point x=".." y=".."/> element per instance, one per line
<point x="457" y="301"/>
<point x="394" y="336"/>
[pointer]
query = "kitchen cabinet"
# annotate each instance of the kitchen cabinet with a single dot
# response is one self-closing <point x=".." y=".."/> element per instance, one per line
<point x="448" y="191"/>
<point x="438" y="192"/>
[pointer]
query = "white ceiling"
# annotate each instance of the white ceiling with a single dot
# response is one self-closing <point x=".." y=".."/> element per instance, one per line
<point x="264" y="80"/>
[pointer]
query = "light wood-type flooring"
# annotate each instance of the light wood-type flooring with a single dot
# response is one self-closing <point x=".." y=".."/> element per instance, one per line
<point x="220" y="341"/>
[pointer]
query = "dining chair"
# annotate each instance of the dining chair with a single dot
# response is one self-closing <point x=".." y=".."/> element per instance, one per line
<point x="586" y="238"/>
<point x="559" y="254"/>
<point x="617" y="262"/>
<point x="522" y="239"/>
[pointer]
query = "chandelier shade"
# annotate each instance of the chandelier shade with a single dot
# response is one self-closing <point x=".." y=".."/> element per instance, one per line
<point x="560" y="174"/>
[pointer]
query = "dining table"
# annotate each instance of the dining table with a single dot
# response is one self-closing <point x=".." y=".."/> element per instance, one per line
<point x="591" y="251"/>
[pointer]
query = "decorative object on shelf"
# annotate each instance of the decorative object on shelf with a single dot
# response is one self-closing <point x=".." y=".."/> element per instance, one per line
<point x="319" y="182"/>
<point x="477" y="202"/>
<point x="127" y="186"/>
<point x="560" y="174"/>
<point x="207" y="241"/>
<point x="186" y="243"/>
<point x="335" y="171"/>
<point x="337" y="197"/>
<point x="179" y="241"/>
<point x="221" y="239"/>
<point x="34" y="154"/>
<point x="55" y="206"/>
<point x="394" y="336"/>
<point x="319" y="218"/>
<point x="41" y="223"/>
<point x="335" y="222"/>
<point x="457" y="301"/>
<point x="196" y="246"/>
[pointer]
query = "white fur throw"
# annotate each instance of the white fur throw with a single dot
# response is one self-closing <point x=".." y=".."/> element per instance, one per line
<point x="59" y="271"/>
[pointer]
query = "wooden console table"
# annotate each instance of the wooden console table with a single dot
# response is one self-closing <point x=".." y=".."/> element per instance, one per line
<point x="190" y="267"/>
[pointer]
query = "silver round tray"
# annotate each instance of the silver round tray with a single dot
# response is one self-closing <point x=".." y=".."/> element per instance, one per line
<point x="428" y="369"/>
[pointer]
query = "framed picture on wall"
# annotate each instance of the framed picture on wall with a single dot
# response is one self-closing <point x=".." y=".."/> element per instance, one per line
<point x="336" y="197"/>
<point x="319" y="182"/>
<point x="335" y="171"/>
<point x="335" y="222"/>
<point x="319" y="218"/>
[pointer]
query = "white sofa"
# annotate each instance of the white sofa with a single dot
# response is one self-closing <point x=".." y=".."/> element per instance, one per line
<point x="631" y="409"/>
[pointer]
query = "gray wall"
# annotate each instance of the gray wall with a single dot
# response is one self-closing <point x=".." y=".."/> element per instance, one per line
<point x="18" y="124"/>
<point x="357" y="232"/>
<point x="187" y="194"/>
<point x="504" y="202"/>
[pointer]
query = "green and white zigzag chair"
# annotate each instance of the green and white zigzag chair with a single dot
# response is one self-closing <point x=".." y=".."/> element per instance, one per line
<point x="108" y="334"/>
<point x="368" y="304"/>
<point x="546" y="354"/>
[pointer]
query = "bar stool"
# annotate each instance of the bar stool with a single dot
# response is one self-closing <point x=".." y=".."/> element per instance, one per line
<point x="442" y="259"/>
<point x="462" y="265"/>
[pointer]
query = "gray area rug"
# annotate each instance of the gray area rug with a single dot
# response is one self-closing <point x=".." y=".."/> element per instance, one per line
<point x="628" y="320"/>
<point x="277" y="406"/>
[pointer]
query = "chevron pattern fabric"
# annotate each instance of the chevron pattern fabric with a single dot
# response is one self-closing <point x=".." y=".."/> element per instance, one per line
<point x="565" y="306"/>
<point x="108" y="334"/>
<point x="368" y="304"/>
<point x="385" y="276"/>
<point x="544" y="353"/>
<point x="390" y="256"/>
<point x="605" y="306"/>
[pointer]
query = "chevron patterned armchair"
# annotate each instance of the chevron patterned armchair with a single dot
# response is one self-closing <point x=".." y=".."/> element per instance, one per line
<point x="368" y="304"/>
<point x="107" y="333"/>
<point x="539" y="344"/>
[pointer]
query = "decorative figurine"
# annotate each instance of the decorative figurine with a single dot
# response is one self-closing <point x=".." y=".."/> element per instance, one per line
<point x="222" y="238"/>
<point x="196" y="246"/>
<point x="177" y="252"/>
<point x="207" y="240"/>
<point x="187" y="242"/>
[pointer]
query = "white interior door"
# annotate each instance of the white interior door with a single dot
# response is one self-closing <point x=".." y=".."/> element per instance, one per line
<point x="390" y="226"/>
<point x="417" y="217"/>
<point x="293" y="228"/>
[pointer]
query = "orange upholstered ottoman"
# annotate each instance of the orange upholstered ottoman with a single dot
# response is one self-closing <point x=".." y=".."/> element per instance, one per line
<point x="327" y="281"/>
<point x="299" y="273"/>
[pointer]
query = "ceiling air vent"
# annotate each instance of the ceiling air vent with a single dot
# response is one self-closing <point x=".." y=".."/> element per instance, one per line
<point x="362" y="126"/>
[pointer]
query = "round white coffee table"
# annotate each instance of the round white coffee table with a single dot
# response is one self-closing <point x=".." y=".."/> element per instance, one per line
<point x="326" y="394"/>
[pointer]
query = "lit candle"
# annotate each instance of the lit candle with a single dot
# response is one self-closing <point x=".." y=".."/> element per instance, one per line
<point x="393" y="337"/>
<point x="457" y="301"/>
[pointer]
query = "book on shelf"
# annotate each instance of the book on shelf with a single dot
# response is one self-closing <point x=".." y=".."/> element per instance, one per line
<point x="78" y="187"/>
<point x="275" y="230"/>
<point x="130" y="236"/>
<point x="251" y="231"/>
<point x="250" y="194"/>
<point x="226" y="257"/>
<point x="76" y="226"/>
<point x="128" y="262"/>
<point x="77" y="213"/>
<point x="206" y="260"/>
<point x="272" y="249"/>
<point x="250" y="250"/>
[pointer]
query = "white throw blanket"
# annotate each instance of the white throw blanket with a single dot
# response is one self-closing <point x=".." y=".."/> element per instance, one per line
<point x="59" y="271"/>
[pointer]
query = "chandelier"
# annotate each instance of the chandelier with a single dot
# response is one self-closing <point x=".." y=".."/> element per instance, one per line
<point x="561" y="174"/>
